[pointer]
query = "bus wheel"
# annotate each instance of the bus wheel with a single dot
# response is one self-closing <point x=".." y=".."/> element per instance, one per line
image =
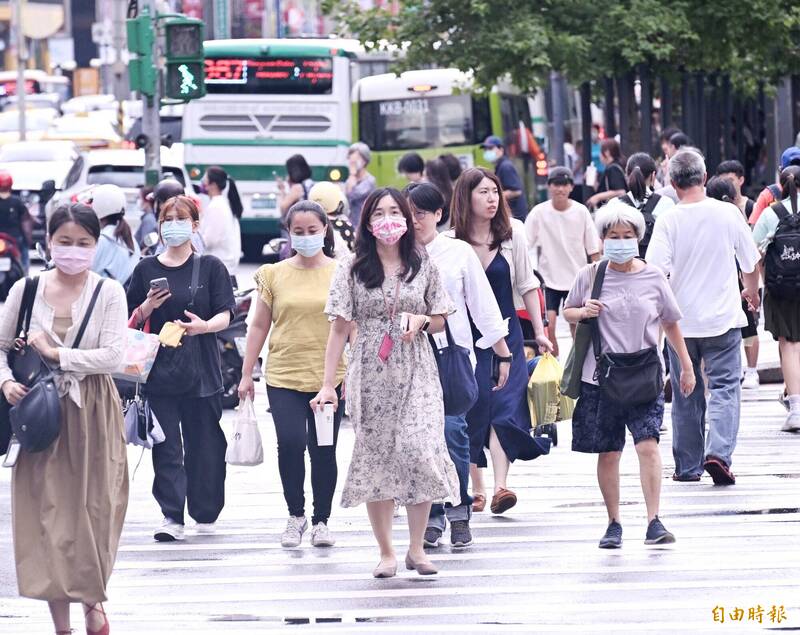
<point x="253" y="246"/>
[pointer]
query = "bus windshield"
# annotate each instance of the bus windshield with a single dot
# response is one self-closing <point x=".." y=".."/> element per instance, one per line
<point x="424" y="122"/>
<point x="271" y="76"/>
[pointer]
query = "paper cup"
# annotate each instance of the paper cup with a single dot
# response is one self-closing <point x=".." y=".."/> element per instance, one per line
<point x="323" y="420"/>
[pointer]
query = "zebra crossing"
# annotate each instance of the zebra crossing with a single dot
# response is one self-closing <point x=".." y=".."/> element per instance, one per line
<point x="535" y="570"/>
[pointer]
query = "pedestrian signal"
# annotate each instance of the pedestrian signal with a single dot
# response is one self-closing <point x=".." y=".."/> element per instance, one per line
<point x="184" y="78"/>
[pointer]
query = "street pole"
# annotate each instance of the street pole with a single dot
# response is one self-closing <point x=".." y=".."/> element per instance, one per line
<point x="21" y="59"/>
<point x="557" y="97"/>
<point x="151" y="122"/>
<point x="120" y="87"/>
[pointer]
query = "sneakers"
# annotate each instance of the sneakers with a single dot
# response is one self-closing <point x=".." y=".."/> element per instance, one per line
<point x="205" y="528"/>
<point x="432" y="537"/>
<point x="751" y="380"/>
<point x="293" y="535"/>
<point x="657" y="534"/>
<point x="321" y="536"/>
<point x="783" y="398"/>
<point x="613" y="536"/>
<point x="460" y="535"/>
<point x="169" y="531"/>
<point x="792" y="423"/>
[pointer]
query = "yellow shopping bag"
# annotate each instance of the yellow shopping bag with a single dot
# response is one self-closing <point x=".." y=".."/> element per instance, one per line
<point x="545" y="401"/>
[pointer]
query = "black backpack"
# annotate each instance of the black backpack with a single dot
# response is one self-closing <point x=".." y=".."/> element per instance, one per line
<point x="649" y="219"/>
<point x="782" y="260"/>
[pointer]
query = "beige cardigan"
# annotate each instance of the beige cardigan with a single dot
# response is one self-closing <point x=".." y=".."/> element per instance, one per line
<point x="103" y="342"/>
<point x="515" y="251"/>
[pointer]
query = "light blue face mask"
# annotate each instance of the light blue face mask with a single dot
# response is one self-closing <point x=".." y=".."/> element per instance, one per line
<point x="176" y="232"/>
<point x="308" y="246"/>
<point x="490" y="156"/>
<point x="620" y="250"/>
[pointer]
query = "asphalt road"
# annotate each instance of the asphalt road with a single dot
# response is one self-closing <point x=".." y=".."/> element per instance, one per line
<point x="535" y="570"/>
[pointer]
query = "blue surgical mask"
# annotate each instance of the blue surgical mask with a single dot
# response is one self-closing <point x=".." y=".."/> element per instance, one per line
<point x="490" y="156"/>
<point x="308" y="246"/>
<point x="176" y="232"/>
<point x="620" y="250"/>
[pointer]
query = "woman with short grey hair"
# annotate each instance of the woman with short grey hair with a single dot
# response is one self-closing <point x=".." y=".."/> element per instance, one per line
<point x="360" y="183"/>
<point x="635" y="302"/>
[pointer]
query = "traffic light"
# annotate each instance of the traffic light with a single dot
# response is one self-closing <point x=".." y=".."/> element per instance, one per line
<point x="142" y="72"/>
<point x="185" y="75"/>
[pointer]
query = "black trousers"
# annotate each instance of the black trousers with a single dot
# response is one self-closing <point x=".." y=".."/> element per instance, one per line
<point x="192" y="471"/>
<point x="296" y="431"/>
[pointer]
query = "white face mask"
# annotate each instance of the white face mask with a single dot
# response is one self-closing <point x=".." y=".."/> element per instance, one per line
<point x="308" y="246"/>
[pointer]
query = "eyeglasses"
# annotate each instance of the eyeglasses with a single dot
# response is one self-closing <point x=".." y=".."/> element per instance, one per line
<point x="420" y="214"/>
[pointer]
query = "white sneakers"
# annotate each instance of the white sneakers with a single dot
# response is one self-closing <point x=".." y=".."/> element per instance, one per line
<point x="169" y="531"/>
<point x="792" y="423"/>
<point x="205" y="528"/>
<point x="321" y="536"/>
<point x="751" y="381"/>
<point x="293" y="535"/>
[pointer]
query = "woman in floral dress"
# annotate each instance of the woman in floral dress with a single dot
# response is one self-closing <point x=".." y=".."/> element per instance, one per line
<point x="393" y="390"/>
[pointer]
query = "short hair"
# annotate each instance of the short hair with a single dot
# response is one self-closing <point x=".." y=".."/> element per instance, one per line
<point x="731" y="166"/>
<point x="411" y="163"/>
<point x="687" y="168"/>
<point x="617" y="212"/>
<point x="363" y="149"/>
<point x="667" y="133"/>
<point x="679" y="139"/>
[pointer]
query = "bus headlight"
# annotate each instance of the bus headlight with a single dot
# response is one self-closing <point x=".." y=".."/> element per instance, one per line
<point x="335" y="174"/>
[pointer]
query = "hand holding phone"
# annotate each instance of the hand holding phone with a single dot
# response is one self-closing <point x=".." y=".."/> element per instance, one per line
<point x="404" y="323"/>
<point x="159" y="284"/>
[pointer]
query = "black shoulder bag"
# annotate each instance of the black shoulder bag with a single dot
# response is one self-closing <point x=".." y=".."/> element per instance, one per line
<point x="177" y="369"/>
<point x="630" y="379"/>
<point x="36" y="419"/>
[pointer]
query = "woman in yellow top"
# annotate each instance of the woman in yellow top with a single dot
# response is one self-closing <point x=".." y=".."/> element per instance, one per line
<point x="292" y="296"/>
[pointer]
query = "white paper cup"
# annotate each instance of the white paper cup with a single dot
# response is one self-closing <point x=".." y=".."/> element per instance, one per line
<point x="323" y="420"/>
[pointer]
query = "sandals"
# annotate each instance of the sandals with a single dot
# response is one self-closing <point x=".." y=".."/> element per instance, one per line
<point x="105" y="629"/>
<point x="478" y="502"/>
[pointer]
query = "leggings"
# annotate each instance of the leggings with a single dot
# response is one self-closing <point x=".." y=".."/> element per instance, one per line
<point x="296" y="431"/>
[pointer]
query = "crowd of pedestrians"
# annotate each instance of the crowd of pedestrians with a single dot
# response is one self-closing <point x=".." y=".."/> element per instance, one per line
<point x="375" y="288"/>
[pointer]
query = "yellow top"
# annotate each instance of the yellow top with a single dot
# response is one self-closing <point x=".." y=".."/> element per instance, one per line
<point x="300" y="327"/>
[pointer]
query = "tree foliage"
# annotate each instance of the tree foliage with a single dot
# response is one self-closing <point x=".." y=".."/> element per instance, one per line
<point x="751" y="40"/>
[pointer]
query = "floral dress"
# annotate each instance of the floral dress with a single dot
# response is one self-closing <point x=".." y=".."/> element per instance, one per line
<point x="396" y="406"/>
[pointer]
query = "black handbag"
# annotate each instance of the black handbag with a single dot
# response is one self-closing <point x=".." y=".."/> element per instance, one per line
<point x="630" y="379"/>
<point x="459" y="387"/>
<point x="177" y="369"/>
<point x="36" y="419"/>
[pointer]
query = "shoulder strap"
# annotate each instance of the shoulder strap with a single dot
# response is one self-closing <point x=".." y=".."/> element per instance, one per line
<point x="626" y="199"/>
<point x="26" y="306"/>
<point x="195" y="279"/>
<point x="596" y="288"/>
<point x="651" y="203"/>
<point x="780" y="210"/>
<point x="775" y="191"/>
<point x="88" y="314"/>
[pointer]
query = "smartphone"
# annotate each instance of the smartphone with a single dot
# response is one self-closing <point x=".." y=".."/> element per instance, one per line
<point x="404" y="322"/>
<point x="495" y="370"/>
<point x="13" y="453"/>
<point x="159" y="284"/>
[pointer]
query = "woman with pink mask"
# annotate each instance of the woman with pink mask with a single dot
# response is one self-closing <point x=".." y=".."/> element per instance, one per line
<point x="69" y="501"/>
<point x="393" y="293"/>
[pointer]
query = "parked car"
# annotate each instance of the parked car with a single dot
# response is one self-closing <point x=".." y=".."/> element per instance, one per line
<point x="37" y="122"/>
<point x="39" y="170"/>
<point x="87" y="131"/>
<point x="124" y="168"/>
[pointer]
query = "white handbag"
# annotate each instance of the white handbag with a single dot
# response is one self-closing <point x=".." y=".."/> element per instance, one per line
<point x="244" y="447"/>
<point x="140" y="353"/>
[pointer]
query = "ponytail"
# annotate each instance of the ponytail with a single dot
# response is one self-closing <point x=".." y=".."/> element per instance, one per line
<point x="122" y="231"/>
<point x="790" y="185"/>
<point x="234" y="200"/>
<point x="640" y="167"/>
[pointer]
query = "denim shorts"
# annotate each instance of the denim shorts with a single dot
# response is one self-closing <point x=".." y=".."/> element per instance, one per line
<point x="598" y="424"/>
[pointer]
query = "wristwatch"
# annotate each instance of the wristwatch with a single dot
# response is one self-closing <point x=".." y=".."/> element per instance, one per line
<point x="427" y="324"/>
<point x="505" y="360"/>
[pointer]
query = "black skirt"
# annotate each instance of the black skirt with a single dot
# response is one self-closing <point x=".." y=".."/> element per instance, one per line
<point x="782" y="318"/>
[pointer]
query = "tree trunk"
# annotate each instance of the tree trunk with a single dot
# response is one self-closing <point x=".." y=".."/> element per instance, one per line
<point x="611" y="125"/>
<point x="646" y="109"/>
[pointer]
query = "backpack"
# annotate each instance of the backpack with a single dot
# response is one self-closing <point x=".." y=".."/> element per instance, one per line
<point x="782" y="260"/>
<point x="649" y="220"/>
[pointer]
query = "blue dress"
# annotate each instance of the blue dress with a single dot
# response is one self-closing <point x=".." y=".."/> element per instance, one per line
<point x="507" y="409"/>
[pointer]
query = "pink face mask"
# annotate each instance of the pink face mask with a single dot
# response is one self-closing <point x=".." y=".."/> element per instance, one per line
<point x="389" y="229"/>
<point x="72" y="260"/>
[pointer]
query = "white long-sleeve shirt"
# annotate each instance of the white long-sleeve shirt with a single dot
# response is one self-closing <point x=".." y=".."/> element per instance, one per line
<point x="466" y="283"/>
<point x="220" y="232"/>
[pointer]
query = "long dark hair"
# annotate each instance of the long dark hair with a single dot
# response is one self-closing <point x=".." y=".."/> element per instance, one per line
<point x="437" y="173"/>
<point x="220" y="178"/>
<point x="720" y="188"/>
<point x="461" y="207"/>
<point x="77" y="213"/>
<point x="297" y="169"/>
<point x="454" y="168"/>
<point x="310" y="207"/>
<point x="790" y="185"/>
<point x="641" y="167"/>
<point x="122" y="231"/>
<point x="367" y="266"/>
